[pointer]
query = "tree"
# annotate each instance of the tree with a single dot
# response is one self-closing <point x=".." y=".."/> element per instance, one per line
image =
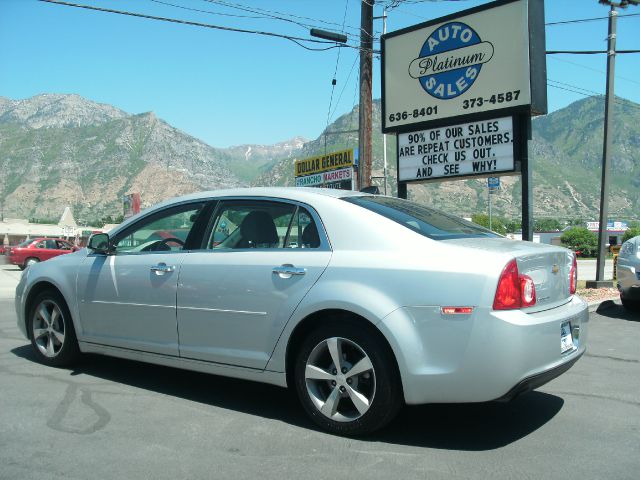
<point x="580" y="239"/>
<point x="513" y="226"/>
<point x="577" y="222"/>
<point x="547" y="225"/>
<point x="496" y="223"/>
<point x="630" y="233"/>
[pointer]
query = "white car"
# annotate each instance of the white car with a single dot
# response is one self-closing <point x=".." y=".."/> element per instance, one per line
<point x="361" y="303"/>
<point x="629" y="273"/>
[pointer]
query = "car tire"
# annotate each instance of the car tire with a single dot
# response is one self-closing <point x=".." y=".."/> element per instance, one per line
<point x="51" y="330"/>
<point x="338" y="402"/>
<point x="632" y="305"/>
<point x="30" y="261"/>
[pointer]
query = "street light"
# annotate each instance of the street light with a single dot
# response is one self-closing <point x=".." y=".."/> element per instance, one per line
<point x="327" y="35"/>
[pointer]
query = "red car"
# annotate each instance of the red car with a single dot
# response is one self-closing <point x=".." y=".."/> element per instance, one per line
<point x="38" y="250"/>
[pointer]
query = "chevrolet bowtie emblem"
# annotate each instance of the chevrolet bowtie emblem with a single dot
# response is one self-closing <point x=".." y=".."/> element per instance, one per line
<point x="555" y="269"/>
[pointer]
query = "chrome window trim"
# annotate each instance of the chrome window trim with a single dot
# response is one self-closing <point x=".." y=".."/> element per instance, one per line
<point x="325" y="243"/>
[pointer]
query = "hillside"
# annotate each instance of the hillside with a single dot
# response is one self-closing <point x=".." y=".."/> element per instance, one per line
<point x="566" y="162"/>
<point x="64" y="150"/>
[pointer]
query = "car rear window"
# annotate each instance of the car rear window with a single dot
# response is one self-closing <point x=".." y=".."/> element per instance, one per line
<point x="25" y="243"/>
<point x="426" y="221"/>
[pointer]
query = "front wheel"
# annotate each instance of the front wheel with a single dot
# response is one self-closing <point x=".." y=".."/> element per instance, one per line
<point x="347" y="380"/>
<point x="632" y="305"/>
<point x="51" y="330"/>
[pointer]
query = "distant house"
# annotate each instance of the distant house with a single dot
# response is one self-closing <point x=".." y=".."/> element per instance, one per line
<point x="16" y="230"/>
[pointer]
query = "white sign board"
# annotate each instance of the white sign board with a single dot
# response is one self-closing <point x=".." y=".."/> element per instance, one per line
<point x="338" y="175"/>
<point x="309" y="180"/>
<point x="465" y="64"/>
<point x="475" y="148"/>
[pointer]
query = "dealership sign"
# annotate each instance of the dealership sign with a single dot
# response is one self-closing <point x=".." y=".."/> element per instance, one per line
<point x="333" y="170"/>
<point x="475" y="148"/>
<point x="482" y="60"/>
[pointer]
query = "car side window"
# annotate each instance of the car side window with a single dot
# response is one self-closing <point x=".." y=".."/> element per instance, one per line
<point x="164" y="232"/>
<point x="60" y="245"/>
<point x="41" y="245"/>
<point x="627" y="249"/>
<point x="303" y="232"/>
<point x="250" y="224"/>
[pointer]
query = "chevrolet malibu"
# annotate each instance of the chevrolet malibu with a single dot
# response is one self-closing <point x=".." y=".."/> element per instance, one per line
<point x="360" y="303"/>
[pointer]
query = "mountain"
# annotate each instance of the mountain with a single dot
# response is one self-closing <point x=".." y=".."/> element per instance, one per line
<point x="250" y="161"/>
<point x="566" y="157"/>
<point x="64" y="150"/>
<point x="51" y="110"/>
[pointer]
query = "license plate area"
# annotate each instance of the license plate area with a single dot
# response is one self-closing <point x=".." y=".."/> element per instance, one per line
<point x="566" y="338"/>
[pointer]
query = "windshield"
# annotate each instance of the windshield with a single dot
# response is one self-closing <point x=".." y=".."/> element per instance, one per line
<point x="421" y="219"/>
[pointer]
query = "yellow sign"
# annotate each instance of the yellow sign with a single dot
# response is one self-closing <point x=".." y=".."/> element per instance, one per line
<point x="323" y="163"/>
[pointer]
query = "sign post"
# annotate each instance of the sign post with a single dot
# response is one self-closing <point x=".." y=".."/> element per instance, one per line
<point x="459" y="92"/>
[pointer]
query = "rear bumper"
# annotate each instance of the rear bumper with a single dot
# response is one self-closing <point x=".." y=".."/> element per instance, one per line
<point x="538" y="380"/>
<point x="483" y="356"/>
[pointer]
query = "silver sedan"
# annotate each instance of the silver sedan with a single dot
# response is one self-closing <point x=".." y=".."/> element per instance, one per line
<point x="360" y="303"/>
<point x="629" y="273"/>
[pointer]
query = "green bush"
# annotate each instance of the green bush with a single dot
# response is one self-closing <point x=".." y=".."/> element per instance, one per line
<point x="630" y="233"/>
<point x="579" y="239"/>
<point x="496" y="223"/>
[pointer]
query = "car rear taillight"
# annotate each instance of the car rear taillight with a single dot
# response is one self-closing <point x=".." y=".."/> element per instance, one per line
<point x="514" y="290"/>
<point x="573" y="276"/>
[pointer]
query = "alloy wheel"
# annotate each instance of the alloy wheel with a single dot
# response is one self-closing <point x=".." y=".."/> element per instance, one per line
<point x="48" y="328"/>
<point x="340" y="379"/>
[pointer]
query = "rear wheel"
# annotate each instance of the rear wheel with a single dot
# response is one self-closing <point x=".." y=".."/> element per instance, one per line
<point x="30" y="261"/>
<point x="347" y="380"/>
<point x="632" y="305"/>
<point x="51" y="330"/>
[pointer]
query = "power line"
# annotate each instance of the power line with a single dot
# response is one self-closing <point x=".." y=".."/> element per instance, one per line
<point x="587" y="93"/>
<point x="594" y="69"/>
<point x="587" y="52"/>
<point x="277" y="15"/>
<point x="345" y="86"/>
<point x="585" y="20"/>
<point x="296" y="40"/>
<point x="255" y="17"/>
<point x="333" y="80"/>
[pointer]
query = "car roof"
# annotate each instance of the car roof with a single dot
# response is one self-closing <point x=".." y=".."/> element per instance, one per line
<point x="300" y="194"/>
<point x="37" y="239"/>
<point x="293" y="193"/>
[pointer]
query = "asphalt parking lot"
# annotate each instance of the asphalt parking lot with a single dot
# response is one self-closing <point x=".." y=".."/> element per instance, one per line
<point x="116" y="419"/>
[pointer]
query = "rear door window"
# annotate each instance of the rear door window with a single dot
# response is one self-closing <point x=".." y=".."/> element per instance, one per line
<point x="251" y="224"/>
<point x="420" y="218"/>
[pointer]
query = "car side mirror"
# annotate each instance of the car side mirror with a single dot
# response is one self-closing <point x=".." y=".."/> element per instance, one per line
<point x="99" y="243"/>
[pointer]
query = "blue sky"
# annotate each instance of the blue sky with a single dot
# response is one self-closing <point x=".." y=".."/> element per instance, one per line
<point x="235" y="88"/>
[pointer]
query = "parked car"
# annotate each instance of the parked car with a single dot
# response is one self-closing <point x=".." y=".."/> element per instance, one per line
<point x="629" y="273"/>
<point x="359" y="302"/>
<point x="38" y="250"/>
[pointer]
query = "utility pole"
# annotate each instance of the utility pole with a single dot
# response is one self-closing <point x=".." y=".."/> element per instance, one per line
<point x="489" y="200"/>
<point x="365" y="112"/>
<point x="606" y="148"/>
<point x="384" y="136"/>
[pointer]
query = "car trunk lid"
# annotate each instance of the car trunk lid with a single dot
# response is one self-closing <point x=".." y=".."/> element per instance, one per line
<point x="548" y="266"/>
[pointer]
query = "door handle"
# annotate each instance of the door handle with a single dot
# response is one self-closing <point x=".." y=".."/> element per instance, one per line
<point x="162" y="268"/>
<point x="288" y="270"/>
